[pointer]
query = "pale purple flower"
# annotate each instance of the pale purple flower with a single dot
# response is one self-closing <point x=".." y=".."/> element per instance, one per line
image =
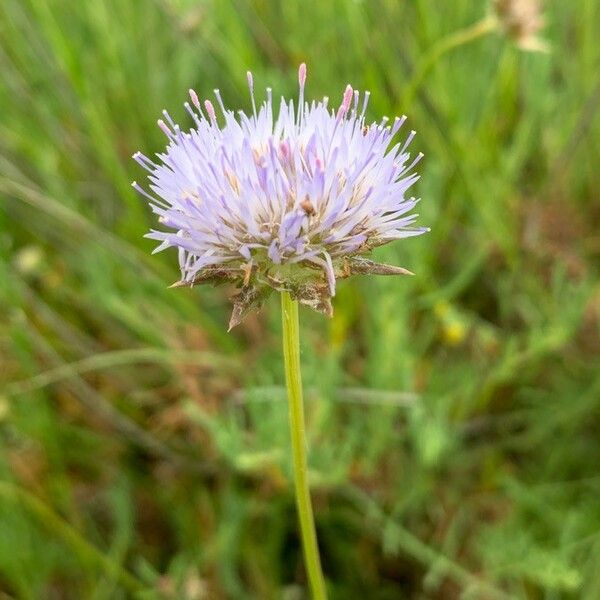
<point x="286" y="201"/>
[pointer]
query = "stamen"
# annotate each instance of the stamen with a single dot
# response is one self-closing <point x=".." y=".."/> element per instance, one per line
<point x="270" y="101"/>
<point x="220" y="101"/>
<point x="409" y="139"/>
<point x="302" y="75"/>
<point x="251" y="88"/>
<point x="345" y="102"/>
<point x="144" y="162"/>
<point x="195" y="100"/>
<point x="301" y="82"/>
<point x="165" y="129"/>
<point x="192" y="114"/>
<point x="210" y="110"/>
<point x="167" y="116"/>
<point x="140" y="190"/>
<point x="364" y="106"/>
<point x="398" y="122"/>
<point x="414" y="163"/>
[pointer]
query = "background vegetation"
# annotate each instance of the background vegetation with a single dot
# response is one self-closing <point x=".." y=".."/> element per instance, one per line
<point x="453" y="417"/>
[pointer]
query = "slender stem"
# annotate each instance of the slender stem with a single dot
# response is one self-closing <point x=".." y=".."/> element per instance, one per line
<point x="291" y="356"/>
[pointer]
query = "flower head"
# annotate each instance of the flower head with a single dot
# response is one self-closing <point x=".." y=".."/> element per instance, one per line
<point x="522" y="20"/>
<point x="287" y="201"/>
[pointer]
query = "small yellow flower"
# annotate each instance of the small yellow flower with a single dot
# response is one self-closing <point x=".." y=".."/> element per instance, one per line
<point x="454" y="333"/>
<point x="452" y="326"/>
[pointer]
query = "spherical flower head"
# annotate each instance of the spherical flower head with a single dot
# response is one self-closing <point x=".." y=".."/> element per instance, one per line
<point x="287" y="200"/>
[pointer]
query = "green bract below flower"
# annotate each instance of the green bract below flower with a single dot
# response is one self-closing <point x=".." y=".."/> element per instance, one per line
<point x="290" y="202"/>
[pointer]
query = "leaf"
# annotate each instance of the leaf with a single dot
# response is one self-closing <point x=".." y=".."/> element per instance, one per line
<point x="212" y="275"/>
<point x="364" y="266"/>
<point x="246" y="301"/>
<point x="315" y="296"/>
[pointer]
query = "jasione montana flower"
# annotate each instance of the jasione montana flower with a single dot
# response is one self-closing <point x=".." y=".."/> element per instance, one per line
<point x="289" y="202"/>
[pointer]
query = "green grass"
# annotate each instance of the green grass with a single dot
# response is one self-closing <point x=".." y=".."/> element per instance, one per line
<point x="453" y="416"/>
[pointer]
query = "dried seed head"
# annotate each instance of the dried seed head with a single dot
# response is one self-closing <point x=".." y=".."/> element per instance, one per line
<point x="522" y="20"/>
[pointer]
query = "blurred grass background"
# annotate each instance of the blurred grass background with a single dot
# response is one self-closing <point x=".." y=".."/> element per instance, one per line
<point x="453" y="417"/>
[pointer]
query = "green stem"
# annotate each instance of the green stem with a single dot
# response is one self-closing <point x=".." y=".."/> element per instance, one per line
<point x="291" y="356"/>
<point x="454" y="40"/>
